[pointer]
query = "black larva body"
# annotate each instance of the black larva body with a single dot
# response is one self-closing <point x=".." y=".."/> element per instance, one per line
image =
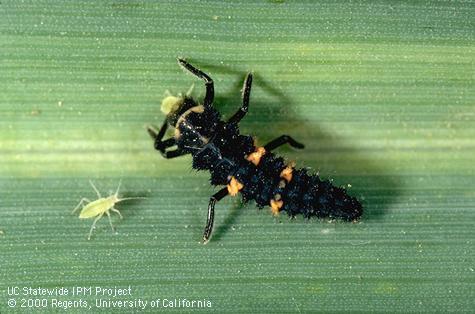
<point x="224" y="156"/>
<point x="235" y="162"/>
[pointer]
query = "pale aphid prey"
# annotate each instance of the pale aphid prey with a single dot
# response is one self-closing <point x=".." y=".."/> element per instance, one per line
<point x="101" y="206"/>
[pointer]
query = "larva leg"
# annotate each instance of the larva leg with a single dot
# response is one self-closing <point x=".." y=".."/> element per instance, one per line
<point x="209" y="97"/>
<point x="281" y="140"/>
<point x="209" y="223"/>
<point x="246" y="92"/>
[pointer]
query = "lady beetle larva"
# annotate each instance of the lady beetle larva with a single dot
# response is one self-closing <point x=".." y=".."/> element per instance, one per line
<point x="234" y="161"/>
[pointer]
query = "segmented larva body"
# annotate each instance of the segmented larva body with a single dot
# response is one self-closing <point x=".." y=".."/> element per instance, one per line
<point x="242" y="167"/>
<point x="258" y="175"/>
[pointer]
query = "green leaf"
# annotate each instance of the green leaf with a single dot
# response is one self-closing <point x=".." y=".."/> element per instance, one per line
<point x="381" y="93"/>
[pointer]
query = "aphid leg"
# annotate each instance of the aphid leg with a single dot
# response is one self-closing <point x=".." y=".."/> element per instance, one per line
<point x="80" y="203"/>
<point x="281" y="140"/>
<point x="209" y="222"/>
<point x="110" y="221"/>
<point x="246" y="92"/>
<point x="94" y="225"/>
<point x="95" y="189"/>
<point x="115" y="210"/>
<point x="209" y="97"/>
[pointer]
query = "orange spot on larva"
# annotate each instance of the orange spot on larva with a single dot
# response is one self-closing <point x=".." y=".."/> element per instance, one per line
<point x="234" y="186"/>
<point x="287" y="172"/>
<point x="276" y="206"/>
<point x="255" y="157"/>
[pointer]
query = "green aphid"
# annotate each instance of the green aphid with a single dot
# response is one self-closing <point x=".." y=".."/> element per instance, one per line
<point x="101" y="206"/>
